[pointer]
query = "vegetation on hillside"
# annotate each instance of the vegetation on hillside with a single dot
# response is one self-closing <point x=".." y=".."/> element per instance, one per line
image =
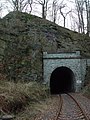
<point x="27" y="37"/>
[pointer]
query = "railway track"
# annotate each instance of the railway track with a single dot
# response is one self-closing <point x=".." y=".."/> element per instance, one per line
<point x="78" y="111"/>
<point x="66" y="108"/>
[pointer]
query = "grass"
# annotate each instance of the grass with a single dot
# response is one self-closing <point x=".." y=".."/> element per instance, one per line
<point x="22" y="99"/>
<point x="33" y="110"/>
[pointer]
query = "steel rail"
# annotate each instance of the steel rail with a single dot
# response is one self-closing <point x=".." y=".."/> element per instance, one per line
<point x="60" y="107"/>
<point x="83" y="112"/>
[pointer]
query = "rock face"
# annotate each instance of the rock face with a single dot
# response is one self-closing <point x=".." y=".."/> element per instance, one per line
<point x="25" y="37"/>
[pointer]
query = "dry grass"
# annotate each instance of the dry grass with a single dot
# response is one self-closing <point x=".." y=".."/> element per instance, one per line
<point x="33" y="110"/>
<point x="21" y="98"/>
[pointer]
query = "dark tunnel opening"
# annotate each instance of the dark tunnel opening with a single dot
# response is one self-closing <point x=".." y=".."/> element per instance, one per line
<point x="62" y="81"/>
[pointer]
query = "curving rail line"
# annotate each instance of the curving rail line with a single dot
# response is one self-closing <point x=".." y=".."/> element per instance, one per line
<point x="85" y="117"/>
<point x="65" y="102"/>
<point x="79" y="106"/>
<point x="60" y="107"/>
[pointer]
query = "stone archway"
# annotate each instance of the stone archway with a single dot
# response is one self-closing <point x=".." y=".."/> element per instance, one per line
<point x="72" y="61"/>
<point x="62" y="80"/>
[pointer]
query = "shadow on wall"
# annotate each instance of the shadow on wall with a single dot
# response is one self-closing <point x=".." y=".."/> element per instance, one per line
<point x="62" y="81"/>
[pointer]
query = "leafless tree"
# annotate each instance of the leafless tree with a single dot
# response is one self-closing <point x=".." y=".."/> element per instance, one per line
<point x="44" y="4"/>
<point x="64" y="15"/>
<point x="1" y="7"/>
<point x="21" y="5"/>
<point x="29" y="6"/>
<point x="87" y="4"/>
<point x="54" y="10"/>
<point x="80" y="11"/>
<point x="83" y="10"/>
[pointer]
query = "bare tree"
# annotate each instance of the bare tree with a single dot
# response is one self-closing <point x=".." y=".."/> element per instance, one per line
<point x="44" y="4"/>
<point x="83" y="10"/>
<point x="87" y="4"/>
<point x="54" y="10"/>
<point x="21" y="5"/>
<point x="64" y="15"/>
<point x="80" y="11"/>
<point x="1" y="7"/>
<point x="29" y="6"/>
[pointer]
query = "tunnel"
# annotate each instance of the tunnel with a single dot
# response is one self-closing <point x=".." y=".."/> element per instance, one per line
<point x="62" y="81"/>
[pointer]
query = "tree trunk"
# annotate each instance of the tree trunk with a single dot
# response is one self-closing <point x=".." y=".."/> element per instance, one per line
<point x="64" y="21"/>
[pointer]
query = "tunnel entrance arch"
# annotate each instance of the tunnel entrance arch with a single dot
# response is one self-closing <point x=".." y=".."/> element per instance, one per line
<point x="71" y="60"/>
<point x="62" y="80"/>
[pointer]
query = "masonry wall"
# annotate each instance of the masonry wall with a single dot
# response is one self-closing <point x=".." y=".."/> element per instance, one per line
<point x="73" y="62"/>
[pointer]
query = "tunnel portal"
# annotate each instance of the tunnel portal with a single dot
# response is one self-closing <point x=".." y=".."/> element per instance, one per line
<point x="64" y="71"/>
<point x="62" y="81"/>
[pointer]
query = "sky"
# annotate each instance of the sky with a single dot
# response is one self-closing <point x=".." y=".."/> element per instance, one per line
<point x="37" y="11"/>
